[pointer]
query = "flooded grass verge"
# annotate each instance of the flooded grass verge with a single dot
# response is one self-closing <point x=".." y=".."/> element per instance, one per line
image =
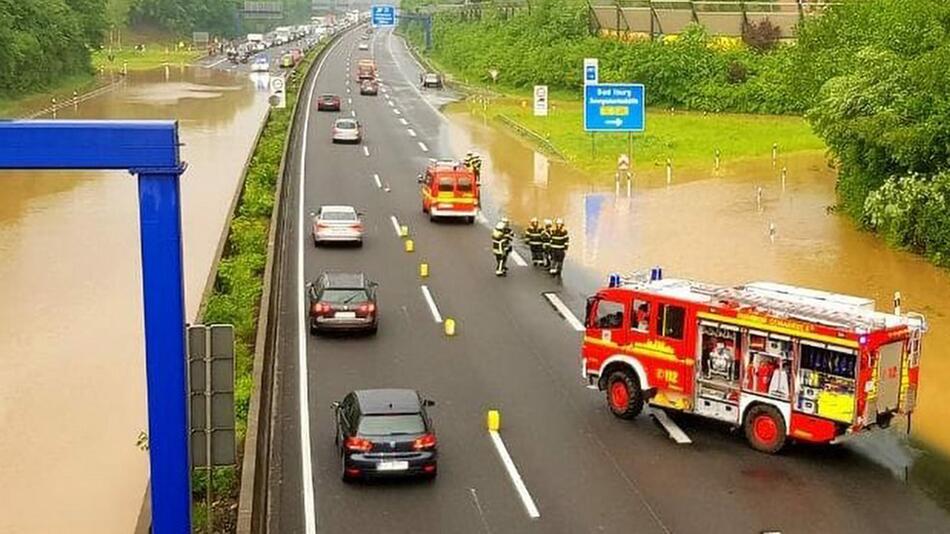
<point x="236" y="295"/>
<point x="689" y="139"/>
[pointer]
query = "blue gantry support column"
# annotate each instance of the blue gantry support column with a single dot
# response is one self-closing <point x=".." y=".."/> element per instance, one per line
<point x="149" y="149"/>
<point x="164" y="301"/>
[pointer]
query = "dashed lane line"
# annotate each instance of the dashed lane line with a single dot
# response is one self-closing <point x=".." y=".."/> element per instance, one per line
<point x="396" y="111"/>
<point x="431" y="302"/>
<point x="518" y="259"/>
<point x="565" y="312"/>
<point x="516" y="479"/>
<point x="390" y="102"/>
<point x="353" y="112"/>
<point x="365" y="151"/>
<point x="403" y="121"/>
<point x="423" y="146"/>
<point x="411" y="132"/>
<point x="395" y="221"/>
<point x="379" y="184"/>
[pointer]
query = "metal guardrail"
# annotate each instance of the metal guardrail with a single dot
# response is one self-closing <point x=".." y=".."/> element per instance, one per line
<point x="534" y="136"/>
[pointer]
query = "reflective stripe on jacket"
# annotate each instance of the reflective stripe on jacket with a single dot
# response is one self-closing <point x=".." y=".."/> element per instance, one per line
<point x="500" y="242"/>
<point x="533" y="235"/>
<point x="559" y="239"/>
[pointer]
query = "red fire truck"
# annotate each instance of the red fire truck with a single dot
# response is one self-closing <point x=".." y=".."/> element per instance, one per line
<point x="782" y="362"/>
<point x="449" y="189"/>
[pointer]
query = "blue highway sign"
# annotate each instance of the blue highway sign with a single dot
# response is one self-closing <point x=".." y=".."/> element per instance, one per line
<point x="614" y="107"/>
<point x="383" y="15"/>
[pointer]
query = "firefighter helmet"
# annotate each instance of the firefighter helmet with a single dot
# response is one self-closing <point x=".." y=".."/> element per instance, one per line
<point x="534" y="221"/>
<point x="547" y="223"/>
<point x="500" y="226"/>
<point x="559" y="222"/>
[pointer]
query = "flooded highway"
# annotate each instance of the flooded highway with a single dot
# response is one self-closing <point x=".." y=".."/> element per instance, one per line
<point x="72" y="395"/>
<point x="709" y="226"/>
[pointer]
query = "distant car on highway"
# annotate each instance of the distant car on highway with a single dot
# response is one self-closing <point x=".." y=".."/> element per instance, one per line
<point x="337" y="224"/>
<point x="364" y="37"/>
<point x="328" y="102"/>
<point x="363" y="46"/>
<point x="287" y="61"/>
<point x="342" y="302"/>
<point x="432" y="79"/>
<point x="260" y="65"/>
<point x="385" y="433"/>
<point x="347" y="131"/>
<point x="369" y="87"/>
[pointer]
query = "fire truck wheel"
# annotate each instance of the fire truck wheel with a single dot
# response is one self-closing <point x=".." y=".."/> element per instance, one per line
<point x="765" y="428"/>
<point x="624" y="395"/>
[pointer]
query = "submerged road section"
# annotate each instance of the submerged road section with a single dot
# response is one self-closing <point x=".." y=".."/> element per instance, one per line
<point x="560" y="462"/>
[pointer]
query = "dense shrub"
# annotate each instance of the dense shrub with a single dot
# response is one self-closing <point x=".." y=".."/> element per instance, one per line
<point x="761" y="36"/>
<point x="42" y="41"/>
<point x="912" y="211"/>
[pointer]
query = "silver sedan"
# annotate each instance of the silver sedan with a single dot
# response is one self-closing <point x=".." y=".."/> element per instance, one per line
<point x="347" y="131"/>
<point x="337" y="224"/>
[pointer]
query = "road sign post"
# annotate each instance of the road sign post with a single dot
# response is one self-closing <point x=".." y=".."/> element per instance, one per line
<point x="149" y="149"/>
<point x="540" y="100"/>
<point x="383" y="15"/>
<point x="614" y="107"/>
<point x="591" y="71"/>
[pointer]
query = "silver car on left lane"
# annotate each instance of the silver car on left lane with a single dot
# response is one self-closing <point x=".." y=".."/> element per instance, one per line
<point x="337" y="224"/>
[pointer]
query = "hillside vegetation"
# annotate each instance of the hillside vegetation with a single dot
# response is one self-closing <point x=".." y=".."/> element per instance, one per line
<point x="45" y="41"/>
<point x="870" y="76"/>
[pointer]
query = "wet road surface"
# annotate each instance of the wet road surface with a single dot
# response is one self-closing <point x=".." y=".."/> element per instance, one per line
<point x="586" y="471"/>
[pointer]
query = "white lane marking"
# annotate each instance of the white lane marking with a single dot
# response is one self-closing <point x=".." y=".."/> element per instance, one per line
<point x="389" y="41"/>
<point x="385" y="96"/>
<point x="396" y="111"/>
<point x="378" y="183"/>
<point x="353" y="112"/>
<point x="412" y="133"/>
<point x="671" y="427"/>
<point x="366" y="151"/>
<point x="565" y="312"/>
<point x="403" y="121"/>
<point x="518" y="259"/>
<point x="390" y="102"/>
<point x="218" y="62"/>
<point x="349" y="100"/>
<point x="309" y="500"/>
<point x="395" y="222"/>
<point x="347" y="90"/>
<point x="480" y="217"/>
<point x="431" y="302"/>
<point x="522" y="490"/>
<point x="423" y="146"/>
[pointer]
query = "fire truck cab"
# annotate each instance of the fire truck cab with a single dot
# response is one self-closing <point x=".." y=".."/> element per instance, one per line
<point x="449" y="189"/>
<point x="782" y="362"/>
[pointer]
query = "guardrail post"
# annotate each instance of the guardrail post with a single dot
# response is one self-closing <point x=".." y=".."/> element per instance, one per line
<point x="692" y="8"/>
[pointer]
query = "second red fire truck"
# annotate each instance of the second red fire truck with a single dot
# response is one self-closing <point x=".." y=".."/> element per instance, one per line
<point x="781" y="362"/>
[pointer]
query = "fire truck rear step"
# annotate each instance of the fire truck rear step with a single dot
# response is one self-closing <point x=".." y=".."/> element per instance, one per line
<point x="675" y="432"/>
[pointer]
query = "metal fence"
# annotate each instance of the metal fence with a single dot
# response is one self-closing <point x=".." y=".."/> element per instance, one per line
<point x="727" y="18"/>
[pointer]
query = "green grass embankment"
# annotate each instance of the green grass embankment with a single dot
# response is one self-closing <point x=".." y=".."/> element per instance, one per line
<point x="155" y="55"/>
<point x="61" y="91"/>
<point x="238" y="286"/>
<point x="690" y="139"/>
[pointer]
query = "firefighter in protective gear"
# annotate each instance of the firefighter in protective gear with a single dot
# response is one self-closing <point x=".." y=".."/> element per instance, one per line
<point x="501" y="247"/>
<point x="532" y="236"/>
<point x="546" y="244"/>
<point x="559" y="243"/>
<point x="474" y="162"/>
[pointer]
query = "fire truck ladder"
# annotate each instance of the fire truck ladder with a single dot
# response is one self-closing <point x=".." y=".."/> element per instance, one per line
<point x="791" y="309"/>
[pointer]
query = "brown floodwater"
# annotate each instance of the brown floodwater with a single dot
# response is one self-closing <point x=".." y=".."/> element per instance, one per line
<point x="708" y="226"/>
<point x="72" y="382"/>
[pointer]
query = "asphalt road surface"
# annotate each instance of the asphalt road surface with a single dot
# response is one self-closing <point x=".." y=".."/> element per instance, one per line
<point x="272" y="54"/>
<point x="585" y="470"/>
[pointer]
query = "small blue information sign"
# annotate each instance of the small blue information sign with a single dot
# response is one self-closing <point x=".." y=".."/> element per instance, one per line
<point x="614" y="107"/>
<point x="383" y="15"/>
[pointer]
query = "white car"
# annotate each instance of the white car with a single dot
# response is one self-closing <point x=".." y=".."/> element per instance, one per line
<point x="337" y="224"/>
<point x="347" y="131"/>
<point x="363" y="46"/>
<point x="260" y="65"/>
